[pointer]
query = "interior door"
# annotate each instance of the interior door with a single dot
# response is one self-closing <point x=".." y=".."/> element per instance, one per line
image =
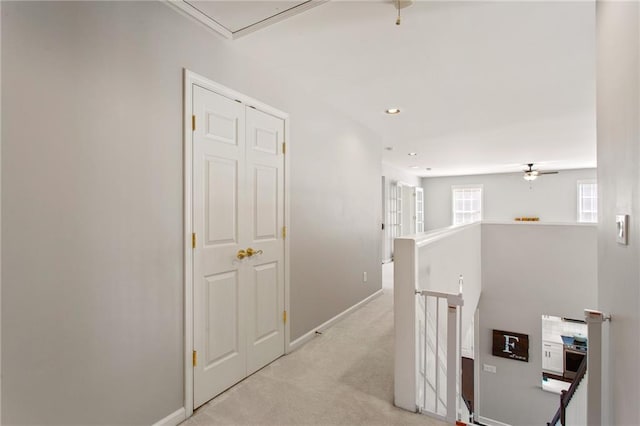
<point x="394" y="215"/>
<point x="219" y="212"/>
<point x="265" y="278"/>
<point x="399" y="196"/>
<point x="408" y="211"/>
<point x="419" y="212"/>
<point x="386" y="244"/>
<point x="238" y="190"/>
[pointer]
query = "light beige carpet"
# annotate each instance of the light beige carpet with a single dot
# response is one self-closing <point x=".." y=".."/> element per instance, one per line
<point x="342" y="377"/>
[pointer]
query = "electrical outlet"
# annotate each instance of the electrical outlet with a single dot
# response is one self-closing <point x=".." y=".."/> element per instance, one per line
<point x="364" y="277"/>
<point x="489" y="368"/>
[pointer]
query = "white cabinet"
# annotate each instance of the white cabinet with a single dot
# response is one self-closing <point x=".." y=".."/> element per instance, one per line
<point x="552" y="357"/>
<point x="551" y="329"/>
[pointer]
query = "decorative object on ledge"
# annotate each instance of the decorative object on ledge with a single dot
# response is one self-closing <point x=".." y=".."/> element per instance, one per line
<point x="507" y="344"/>
<point x="527" y="219"/>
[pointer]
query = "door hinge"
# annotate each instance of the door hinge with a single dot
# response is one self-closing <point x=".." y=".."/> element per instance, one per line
<point x="284" y="148"/>
<point x="193" y="240"/>
<point x="284" y="317"/>
<point x="284" y="232"/>
<point x="195" y="358"/>
<point x="193" y="122"/>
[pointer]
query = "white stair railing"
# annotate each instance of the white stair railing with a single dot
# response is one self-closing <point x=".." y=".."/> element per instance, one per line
<point x="429" y="319"/>
<point x="438" y="390"/>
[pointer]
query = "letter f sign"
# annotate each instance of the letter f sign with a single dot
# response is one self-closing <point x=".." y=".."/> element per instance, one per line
<point x="508" y="344"/>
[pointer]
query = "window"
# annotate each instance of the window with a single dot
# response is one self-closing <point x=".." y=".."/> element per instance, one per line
<point x="587" y="201"/>
<point x="467" y="204"/>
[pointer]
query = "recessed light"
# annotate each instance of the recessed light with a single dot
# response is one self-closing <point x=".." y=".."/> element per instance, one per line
<point x="413" y="154"/>
<point x="415" y="167"/>
<point x="428" y="169"/>
<point x="393" y="111"/>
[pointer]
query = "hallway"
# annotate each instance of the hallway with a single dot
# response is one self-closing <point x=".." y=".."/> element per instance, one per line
<point x="342" y="377"/>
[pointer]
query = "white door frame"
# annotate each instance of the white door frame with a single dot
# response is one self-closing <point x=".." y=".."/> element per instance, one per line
<point x="190" y="79"/>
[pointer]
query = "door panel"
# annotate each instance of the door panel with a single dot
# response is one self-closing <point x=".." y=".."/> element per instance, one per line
<point x="222" y="318"/>
<point x="221" y="127"/>
<point x="265" y="140"/>
<point x="219" y="202"/>
<point x="266" y="202"/>
<point x="266" y="296"/>
<point x="265" y="162"/>
<point x="221" y="207"/>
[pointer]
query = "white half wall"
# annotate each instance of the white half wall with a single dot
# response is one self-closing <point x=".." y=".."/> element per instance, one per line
<point x="92" y="202"/>
<point x="618" y="106"/>
<point x="529" y="269"/>
<point x="552" y="198"/>
<point x="445" y="256"/>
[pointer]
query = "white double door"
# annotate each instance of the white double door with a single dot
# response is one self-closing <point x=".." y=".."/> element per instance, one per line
<point x="238" y="207"/>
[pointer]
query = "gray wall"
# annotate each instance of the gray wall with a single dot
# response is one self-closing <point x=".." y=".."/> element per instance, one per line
<point x="92" y="297"/>
<point x="552" y="198"/>
<point x="529" y="270"/>
<point x="618" y="34"/>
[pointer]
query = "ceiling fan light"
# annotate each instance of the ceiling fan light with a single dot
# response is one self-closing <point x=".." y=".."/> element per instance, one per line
<point x="530" y="176"/>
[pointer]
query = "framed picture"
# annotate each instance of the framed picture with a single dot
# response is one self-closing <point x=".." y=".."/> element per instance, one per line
<point x="508" y="344"/>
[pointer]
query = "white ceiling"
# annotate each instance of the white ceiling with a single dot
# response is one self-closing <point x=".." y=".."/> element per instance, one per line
<point x="483" y="87"/>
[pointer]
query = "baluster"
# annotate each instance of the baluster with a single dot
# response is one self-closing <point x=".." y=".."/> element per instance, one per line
<point x="563" y="407"/>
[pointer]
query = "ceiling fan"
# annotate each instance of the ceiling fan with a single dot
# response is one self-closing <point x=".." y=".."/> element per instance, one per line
<point x="531" y="174"/>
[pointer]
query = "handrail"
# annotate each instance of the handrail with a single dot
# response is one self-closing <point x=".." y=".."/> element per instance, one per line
<point x="452" y="298"/>
<point x="566" y="396"/>
<point x="439" y="234"/>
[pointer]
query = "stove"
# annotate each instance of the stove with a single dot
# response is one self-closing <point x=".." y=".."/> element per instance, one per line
<point x="571" y="344"/>
<point x="574" y="353"/>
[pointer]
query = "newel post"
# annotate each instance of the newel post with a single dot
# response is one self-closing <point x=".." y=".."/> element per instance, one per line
<point x="404" y="299"/>
<point x="594" y="320"/>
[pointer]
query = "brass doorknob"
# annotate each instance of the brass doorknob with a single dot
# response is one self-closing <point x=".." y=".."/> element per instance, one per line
<point x="251" y="252"/>
<point x="242" y="254"/>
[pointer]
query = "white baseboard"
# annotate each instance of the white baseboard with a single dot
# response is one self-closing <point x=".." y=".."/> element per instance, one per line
<point x="300" y="341"/>
<point x="173" y="419"/>
<point x="491" y="422"/>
